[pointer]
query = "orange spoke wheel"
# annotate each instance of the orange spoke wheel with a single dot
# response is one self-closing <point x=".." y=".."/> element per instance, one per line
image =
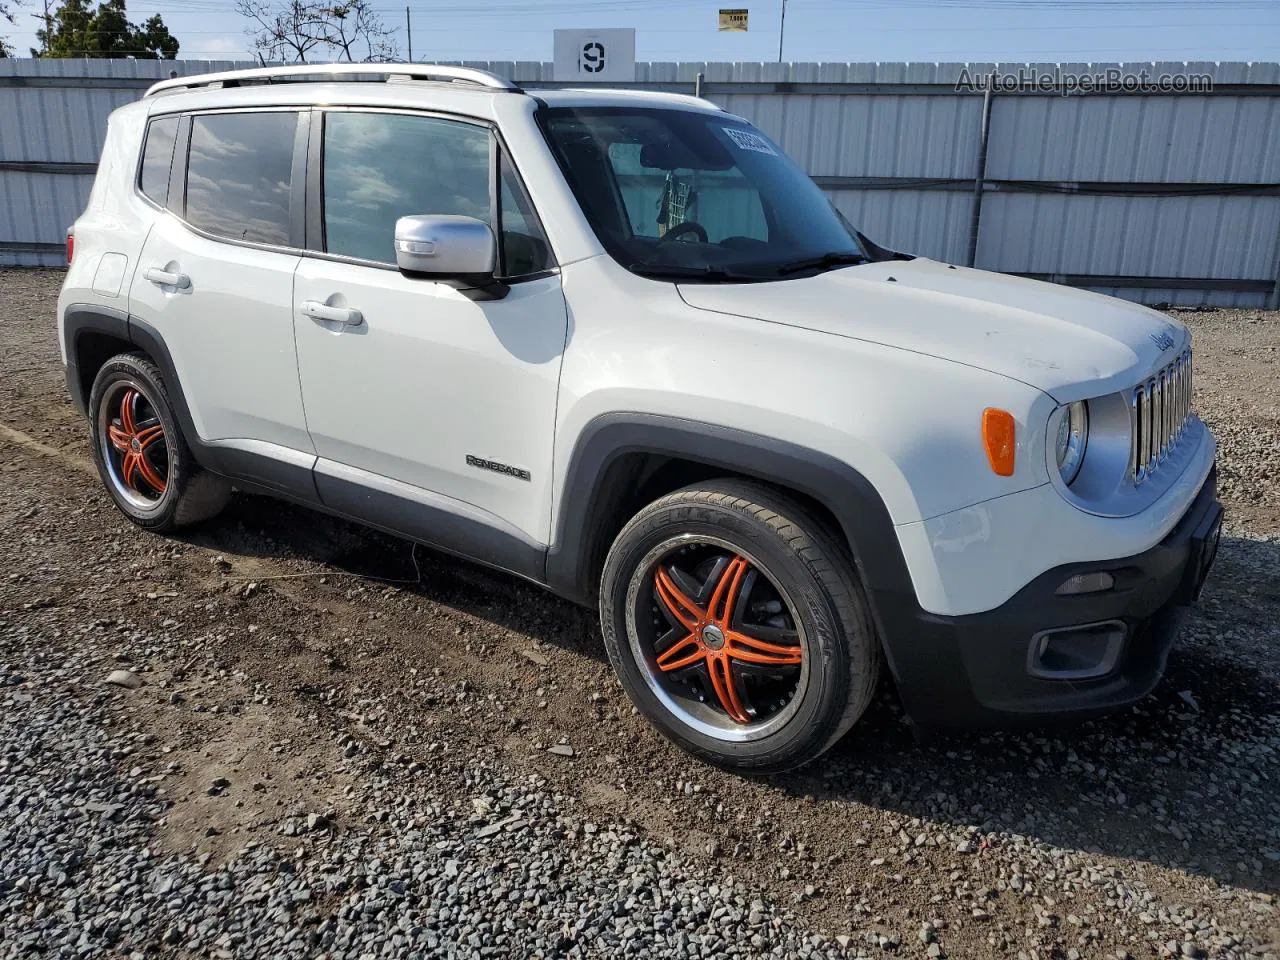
<point x="719" y="639"/>
<point x="134" y="445"/>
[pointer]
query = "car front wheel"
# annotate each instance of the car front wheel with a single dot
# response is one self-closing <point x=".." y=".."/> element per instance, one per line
<point x="738" y="626"/>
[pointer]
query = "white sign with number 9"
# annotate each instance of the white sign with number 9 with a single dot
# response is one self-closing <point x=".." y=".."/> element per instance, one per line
<point x="606" y="55"/>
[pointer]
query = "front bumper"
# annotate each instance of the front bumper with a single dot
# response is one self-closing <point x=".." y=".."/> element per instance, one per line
<point x="981" y="669"/>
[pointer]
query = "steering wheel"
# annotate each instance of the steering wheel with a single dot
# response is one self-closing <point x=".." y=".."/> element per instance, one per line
<point x="680" y="229"/>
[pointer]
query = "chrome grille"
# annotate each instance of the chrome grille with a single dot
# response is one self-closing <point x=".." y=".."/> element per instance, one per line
<point x="1158" y="412"/>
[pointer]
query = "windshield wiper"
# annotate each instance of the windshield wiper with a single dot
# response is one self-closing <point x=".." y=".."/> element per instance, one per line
<point x="826" y="261"/>
<point x="674" y="271"/>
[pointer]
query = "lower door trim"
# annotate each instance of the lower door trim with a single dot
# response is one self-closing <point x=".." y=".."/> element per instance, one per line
<point x="430" y="518"/>
<point x="269" y="467"/>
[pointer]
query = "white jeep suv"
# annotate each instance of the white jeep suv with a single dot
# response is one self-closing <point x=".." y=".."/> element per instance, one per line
<point x="618" y="344"/>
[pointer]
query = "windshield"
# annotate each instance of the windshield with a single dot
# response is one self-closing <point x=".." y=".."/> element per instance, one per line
<point x="697" y="196"/>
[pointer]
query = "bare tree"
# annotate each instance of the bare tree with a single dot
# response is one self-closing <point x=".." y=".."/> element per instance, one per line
<point x="300" y="31"/>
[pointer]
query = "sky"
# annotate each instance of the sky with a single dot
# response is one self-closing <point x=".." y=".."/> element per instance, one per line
<point x="816" y="30"/>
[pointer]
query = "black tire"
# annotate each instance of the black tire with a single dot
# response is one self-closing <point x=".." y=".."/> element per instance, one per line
<point x="819" y="595"/>
<point x="167" y="489"/>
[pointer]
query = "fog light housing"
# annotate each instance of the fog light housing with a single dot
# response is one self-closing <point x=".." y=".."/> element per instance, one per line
<point x="1076" y="653"/>
<point x="1079" y="583"/>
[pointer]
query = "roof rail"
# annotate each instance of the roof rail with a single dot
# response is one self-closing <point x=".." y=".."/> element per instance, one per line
<point x="334" y="71"/>
<point x="636" y="92"/>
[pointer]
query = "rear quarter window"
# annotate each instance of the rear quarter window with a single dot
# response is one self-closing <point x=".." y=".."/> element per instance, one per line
<point x="157" y="159"/>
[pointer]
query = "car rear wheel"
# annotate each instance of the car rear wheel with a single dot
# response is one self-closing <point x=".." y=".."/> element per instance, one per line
<point x="738" y="626"/>
<point x="140" y="453"/>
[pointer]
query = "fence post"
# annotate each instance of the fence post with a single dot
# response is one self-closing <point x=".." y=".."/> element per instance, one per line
<point x="1273" y="301"/>
<point x="980" y="173"/>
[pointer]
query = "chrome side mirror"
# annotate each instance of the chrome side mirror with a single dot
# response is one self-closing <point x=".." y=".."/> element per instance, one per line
<point x="446" y="248"/>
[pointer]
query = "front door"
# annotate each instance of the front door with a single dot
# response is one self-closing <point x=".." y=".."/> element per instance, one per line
<point x="437" y="404"/>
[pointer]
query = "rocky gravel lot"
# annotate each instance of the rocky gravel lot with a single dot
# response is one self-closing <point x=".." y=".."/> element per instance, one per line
<point x="282" y="735"/>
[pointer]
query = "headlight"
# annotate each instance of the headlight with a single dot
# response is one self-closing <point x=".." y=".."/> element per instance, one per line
<point x="1070" y="438"/>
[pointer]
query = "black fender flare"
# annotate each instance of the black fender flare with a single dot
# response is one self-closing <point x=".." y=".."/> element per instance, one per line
<point x="80" y="319"/>
<point x="905" y="632"/>
<point x="585" y="497"/>
<point x="248" y="469"/>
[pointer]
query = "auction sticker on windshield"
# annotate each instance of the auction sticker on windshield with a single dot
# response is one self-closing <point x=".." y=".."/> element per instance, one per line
<point x="746" y="140"/>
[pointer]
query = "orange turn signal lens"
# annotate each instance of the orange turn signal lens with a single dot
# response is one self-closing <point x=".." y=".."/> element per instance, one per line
<point x="999" y="436"/>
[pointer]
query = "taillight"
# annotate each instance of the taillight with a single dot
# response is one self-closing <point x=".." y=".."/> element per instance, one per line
<point x="71" y="246"/>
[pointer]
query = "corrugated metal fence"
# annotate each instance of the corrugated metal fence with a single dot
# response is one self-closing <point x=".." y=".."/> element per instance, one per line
<point x="53" y="120"/>
<point x="1159" y="197"/>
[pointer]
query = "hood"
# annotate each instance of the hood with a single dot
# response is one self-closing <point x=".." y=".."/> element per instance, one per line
<point x="1072" y="344"/>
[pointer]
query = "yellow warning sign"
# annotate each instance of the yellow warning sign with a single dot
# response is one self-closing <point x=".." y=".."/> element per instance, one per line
<point x="735" y="20"/>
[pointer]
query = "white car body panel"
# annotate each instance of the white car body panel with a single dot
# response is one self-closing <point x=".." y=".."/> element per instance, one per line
<point x="112" y="223"/>
<point x="1072" y="344"/>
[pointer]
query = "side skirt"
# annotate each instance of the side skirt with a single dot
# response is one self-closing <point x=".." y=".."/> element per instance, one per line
<point x="431" y="519"/>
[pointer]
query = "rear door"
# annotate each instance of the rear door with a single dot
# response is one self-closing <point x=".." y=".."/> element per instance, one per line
<point x="215" y="279"/>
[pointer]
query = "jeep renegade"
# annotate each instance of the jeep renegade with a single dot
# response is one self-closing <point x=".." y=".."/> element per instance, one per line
<point x="618" y="344"/>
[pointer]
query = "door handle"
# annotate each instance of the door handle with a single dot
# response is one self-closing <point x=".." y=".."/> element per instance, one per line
<point x="322" y="311"/>
<point x="164" y="278"/>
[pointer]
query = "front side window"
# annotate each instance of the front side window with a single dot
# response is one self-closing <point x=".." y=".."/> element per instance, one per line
<point x="379" y="167"/>
<point x="695" y="195"/>
<point x="157" y="159"/>
<point x="239" y="174"/>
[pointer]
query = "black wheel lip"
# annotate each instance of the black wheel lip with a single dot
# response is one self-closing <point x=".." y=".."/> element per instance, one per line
<point x="727" y="731"/>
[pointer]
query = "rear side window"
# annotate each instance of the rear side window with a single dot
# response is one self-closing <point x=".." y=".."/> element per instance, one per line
<point x="157" y="158"/>
<point x="239" y="173"/>
<point x="379" y="167"/>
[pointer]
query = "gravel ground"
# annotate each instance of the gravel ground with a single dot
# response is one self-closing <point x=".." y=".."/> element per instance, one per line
<point x="323" y="759"/>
